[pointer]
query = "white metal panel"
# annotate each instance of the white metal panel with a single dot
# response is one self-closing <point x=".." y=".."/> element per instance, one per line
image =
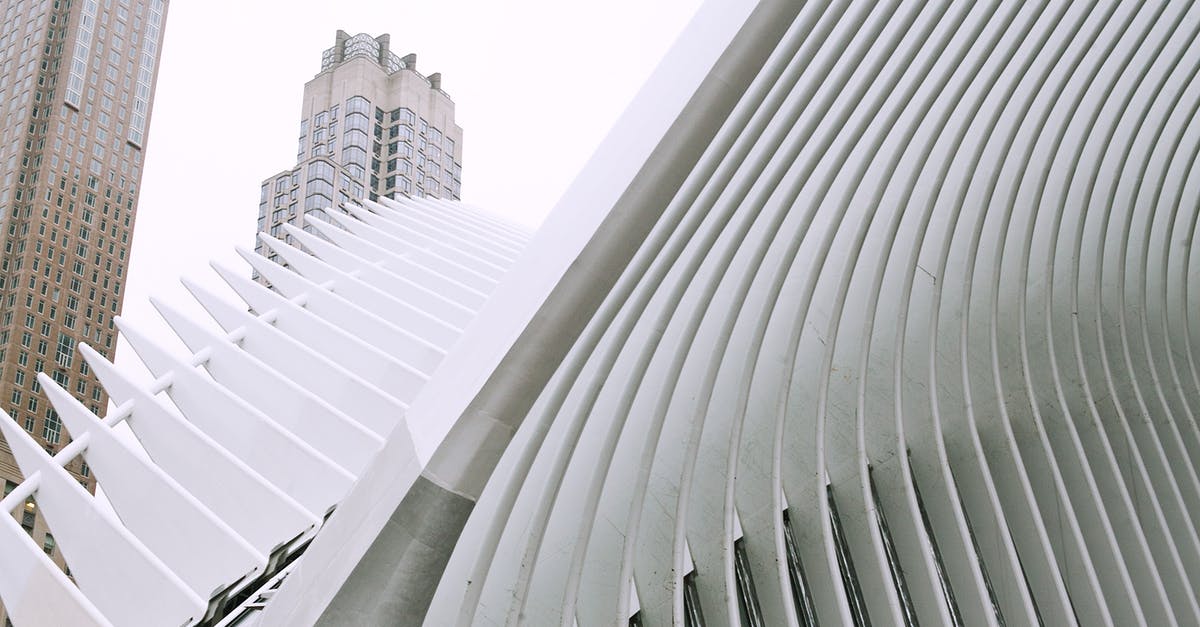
<point x="260" y="512"/>
<point x="375" y="274"/>
<point x="302" y="472"/>
<point x="120" y="576"/>
<point x="454" y="213"/>
<point x="156" y="508"/>
<point x="484" y="245"/>
<point x="349" y="286"/>
<point x="401" y="265"/>
<point x="34" y="591"/>
<point x="369" y="325"/>
<point x="316" y="353"/>
<point x="470" y="257"/>
<point x="432" y="262"/>
<point x="319" y="424"/>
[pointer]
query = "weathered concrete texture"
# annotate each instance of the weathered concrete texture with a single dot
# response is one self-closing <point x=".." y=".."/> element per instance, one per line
<point x="409" y="555"/>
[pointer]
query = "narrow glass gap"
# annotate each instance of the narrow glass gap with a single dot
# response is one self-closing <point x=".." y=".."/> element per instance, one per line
<point x="858" y="608"/>
<point x="889" y="548"/>
<point x="693" y="616"/>
<point x="635" y="619"/>
<point x="987" y="581"/>
<point x="1036" y="610"/>
<point x="943" y="578"/>
<point x="747" y="597"/>
<point x="805" y="611"/>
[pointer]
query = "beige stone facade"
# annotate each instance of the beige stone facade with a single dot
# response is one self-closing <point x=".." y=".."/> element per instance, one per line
<point x="76" y="86"/>
<point x="370" y="126"/>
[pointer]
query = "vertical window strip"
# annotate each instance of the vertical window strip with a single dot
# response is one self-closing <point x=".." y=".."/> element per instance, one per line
<point x="987" y="581"/>
<point x="802" y="598"/>
<point x="889" y="547"/>
<point x="747" y="596"/>
<point x="693" y="615"/>
<point x="1036" y="610"/>
<point x="943" y="578"/>
<point x="858" y="607"/>
<point x="83" y="50"/>
<point x="141" y="96"/>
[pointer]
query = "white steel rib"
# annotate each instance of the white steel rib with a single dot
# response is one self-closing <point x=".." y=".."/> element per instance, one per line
<point x="863" y="313"/>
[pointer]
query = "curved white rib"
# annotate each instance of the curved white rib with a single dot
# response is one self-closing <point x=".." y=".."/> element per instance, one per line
<point x="891" y="320"/>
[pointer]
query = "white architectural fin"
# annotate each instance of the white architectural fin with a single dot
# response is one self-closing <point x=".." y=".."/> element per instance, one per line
<point x="366" y="324"/>
<point x="400" y="312"/>
<point x="295" y="408"/>
<point x="449" y="268"/>
<point x="482" y="246"/>
<point x="330" y="342"/>
<point x="314" y="480"/>
<point x="33" y="589"/>
<point x="428" y="210"/>
<point x="159" y="511"/>
<point x="257" y="510"/>
<point x="468" y="257"/>
<point x="386" y="281"/>
<point x="122" y="577"/>
<point x="401" y="265"/>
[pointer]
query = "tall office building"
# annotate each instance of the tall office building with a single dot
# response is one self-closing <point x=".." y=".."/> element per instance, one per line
<point x="370" y="126"/>
<point x="76" y="85"/>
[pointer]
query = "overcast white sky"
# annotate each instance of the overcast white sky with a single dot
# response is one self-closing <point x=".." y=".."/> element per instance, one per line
<point x="536" y="83"/>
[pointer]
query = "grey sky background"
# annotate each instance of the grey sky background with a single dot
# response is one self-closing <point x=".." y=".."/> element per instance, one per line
<point x="536" y="84"/>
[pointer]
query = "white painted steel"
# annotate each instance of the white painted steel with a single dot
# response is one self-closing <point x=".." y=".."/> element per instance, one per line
<point x="864" y="312"/>
<point x="157" y="509"/>
<point x="248" y="455"/>
<point x="119" y="574"/>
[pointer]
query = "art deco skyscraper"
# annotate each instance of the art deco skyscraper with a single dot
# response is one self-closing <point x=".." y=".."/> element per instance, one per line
<point x="370" y="126"/>
<point x="76" y="85"/>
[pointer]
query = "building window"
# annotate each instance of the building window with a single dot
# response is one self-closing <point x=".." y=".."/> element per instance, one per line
<point x="320" y="170"/>
<point x="317" y="201"/>
<point x="29" y="515"/>
<point x="354" y="138"/>
<point x="66" y="351"/>
<point x="358" y="104"/>
<point x="51" y="427"/>
<point x="354" y="156"/>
